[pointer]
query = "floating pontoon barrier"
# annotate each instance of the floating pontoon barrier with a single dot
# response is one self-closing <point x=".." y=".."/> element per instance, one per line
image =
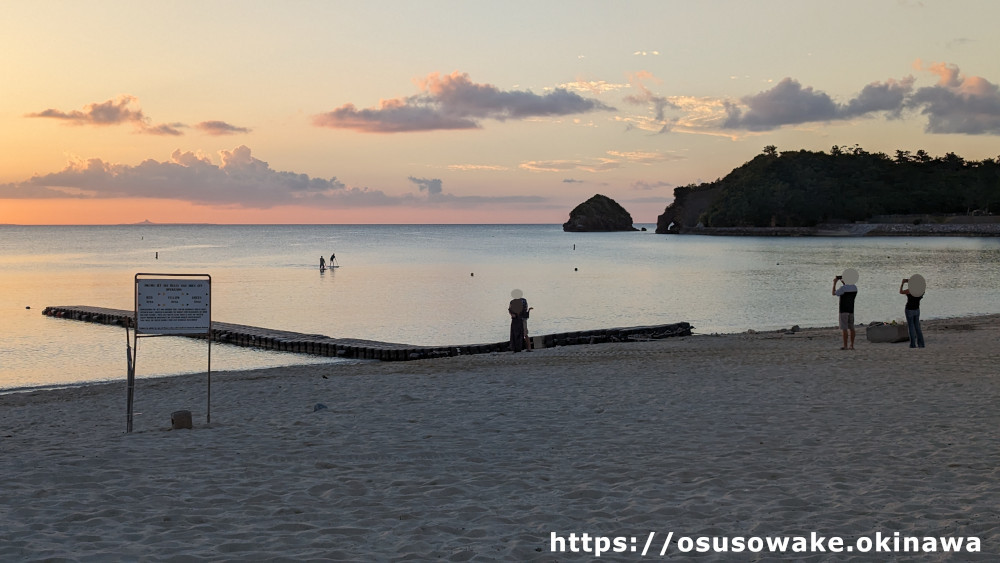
<point x="320" y="345"/>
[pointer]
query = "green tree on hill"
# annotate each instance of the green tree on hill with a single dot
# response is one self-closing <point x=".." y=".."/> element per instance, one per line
<point x="803" y="188"/>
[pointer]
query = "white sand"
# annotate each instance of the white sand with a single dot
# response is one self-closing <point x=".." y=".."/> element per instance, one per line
<point x="483" y="457"/>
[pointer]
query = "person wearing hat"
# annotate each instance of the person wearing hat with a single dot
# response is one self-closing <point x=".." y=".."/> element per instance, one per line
<point x="914" y="292"/>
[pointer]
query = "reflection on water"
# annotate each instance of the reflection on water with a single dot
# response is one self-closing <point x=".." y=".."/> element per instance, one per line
<point x="449" y="285"/>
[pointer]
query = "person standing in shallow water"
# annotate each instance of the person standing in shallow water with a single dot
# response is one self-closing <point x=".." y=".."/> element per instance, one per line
<point x="912" y="312"/>
<point x="847" y="293"/>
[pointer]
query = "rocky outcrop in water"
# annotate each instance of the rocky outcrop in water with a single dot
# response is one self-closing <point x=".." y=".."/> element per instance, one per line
<point x="599" y="213"/>
<point x="688" y="205"/>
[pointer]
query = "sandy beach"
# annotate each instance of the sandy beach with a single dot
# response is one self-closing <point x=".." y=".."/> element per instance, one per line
<point x="484" y="458"/>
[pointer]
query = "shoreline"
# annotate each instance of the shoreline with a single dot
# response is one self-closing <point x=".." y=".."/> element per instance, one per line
<point x="853" y="230"/>
<point x="483" y="457"/>
<point x="488" y="349"/>
<point x="789" y="330"/>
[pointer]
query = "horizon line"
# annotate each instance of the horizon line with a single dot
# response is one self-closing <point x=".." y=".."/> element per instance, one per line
<point x="152" y="224"/>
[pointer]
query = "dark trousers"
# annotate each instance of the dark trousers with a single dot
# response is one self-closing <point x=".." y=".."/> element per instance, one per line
<point x="913" y="326"/>
<point x="516" y="334"/>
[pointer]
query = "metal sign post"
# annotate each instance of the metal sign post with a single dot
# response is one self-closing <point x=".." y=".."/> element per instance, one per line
<point x="170" y="304"/>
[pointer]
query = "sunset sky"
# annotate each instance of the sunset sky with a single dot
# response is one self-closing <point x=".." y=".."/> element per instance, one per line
<point x="392" y="111"/>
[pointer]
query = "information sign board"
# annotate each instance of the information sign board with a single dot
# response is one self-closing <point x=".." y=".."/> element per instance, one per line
<point x="173" y="306"/>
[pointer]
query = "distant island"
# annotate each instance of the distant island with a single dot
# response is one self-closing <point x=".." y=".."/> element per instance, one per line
<point x="599" y="213"/>
<point x="843" y="192"/>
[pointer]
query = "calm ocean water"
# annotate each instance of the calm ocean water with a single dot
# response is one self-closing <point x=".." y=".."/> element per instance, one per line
<point x="445" y="284"/>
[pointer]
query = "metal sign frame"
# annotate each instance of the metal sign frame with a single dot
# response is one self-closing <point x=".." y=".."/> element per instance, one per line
<point x="171" y="305"/>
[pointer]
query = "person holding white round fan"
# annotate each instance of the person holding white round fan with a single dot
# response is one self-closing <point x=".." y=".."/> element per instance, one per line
<point x="914" y="292"/>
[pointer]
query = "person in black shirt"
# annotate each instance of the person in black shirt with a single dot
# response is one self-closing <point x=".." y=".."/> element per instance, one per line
<point x="912" y="312"/>
<point x="847" y="294"/>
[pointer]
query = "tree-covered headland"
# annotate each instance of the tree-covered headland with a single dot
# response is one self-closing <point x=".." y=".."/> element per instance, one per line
<point x="804" y="188"/>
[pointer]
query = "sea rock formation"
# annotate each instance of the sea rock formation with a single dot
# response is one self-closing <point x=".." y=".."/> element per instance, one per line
<point x="688" y="205"/>
<point x="599" y="213"/>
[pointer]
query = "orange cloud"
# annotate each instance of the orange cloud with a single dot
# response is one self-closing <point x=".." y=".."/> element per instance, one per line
<point x="961" y="104"/>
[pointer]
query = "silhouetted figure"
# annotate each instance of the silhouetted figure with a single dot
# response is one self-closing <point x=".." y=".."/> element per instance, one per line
<point x="519" y="312"/>
<point x="912" y="312"/>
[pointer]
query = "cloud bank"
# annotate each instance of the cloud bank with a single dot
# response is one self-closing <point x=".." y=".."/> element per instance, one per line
<point x="455" y="102"/>
<point x="431" y="186"/>
<point x="125" y="110"/>
<point x="789" y="103"/>
<point x="240" y="181"/>
<point x="957" y="104"/>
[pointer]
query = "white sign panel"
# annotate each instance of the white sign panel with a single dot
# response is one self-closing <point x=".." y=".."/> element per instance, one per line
<point x="173" y="306"/>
